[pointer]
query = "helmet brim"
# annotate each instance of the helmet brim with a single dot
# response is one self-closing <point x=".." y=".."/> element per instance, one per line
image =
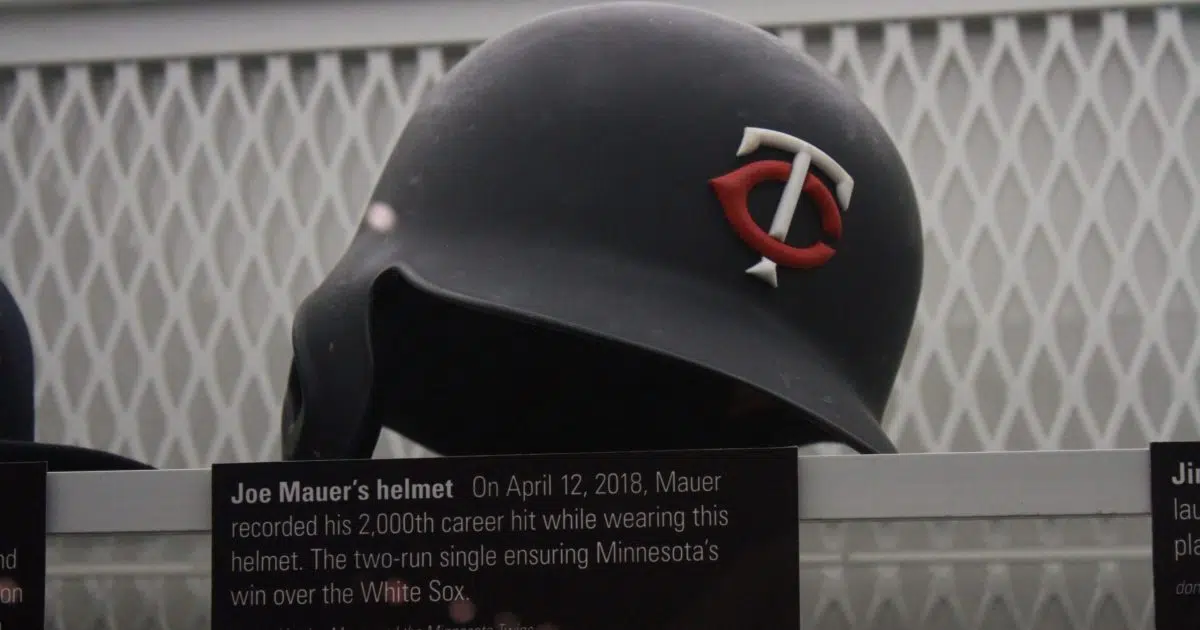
<point x="610" y="297"/>
<point x="66" y="458"/>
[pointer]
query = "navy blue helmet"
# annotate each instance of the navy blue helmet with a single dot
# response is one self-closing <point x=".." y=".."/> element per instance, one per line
<point x="620" y="227"/>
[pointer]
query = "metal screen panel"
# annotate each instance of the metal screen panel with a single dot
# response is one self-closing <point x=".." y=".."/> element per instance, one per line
<point x="160" y="221"/>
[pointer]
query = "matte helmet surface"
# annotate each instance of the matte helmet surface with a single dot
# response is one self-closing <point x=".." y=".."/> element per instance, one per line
<point x="603" y="229"/>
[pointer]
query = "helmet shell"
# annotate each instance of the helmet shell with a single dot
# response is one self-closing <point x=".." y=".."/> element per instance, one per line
<point x="643" y="176"/>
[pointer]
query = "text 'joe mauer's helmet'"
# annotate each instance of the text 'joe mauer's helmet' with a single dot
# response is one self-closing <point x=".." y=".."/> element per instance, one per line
<point x="624" y="226"/>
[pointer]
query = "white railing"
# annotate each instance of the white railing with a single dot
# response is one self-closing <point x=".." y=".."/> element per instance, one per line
<point x="948" y="486"/>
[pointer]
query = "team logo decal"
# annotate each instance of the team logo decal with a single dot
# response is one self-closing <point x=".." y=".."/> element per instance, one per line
<point x="733" y="188"/>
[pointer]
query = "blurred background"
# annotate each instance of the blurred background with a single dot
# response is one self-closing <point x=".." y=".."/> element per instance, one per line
<point x="176" y="176"/>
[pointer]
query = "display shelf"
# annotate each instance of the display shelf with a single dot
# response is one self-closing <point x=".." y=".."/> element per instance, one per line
<point x="951" y="486"/>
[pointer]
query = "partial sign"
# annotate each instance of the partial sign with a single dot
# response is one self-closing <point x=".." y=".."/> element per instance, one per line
<point x="22" y="546"/>
<point x="1175" y="514"/>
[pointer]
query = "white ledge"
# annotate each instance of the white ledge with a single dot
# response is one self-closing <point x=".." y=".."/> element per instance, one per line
<point x="955" y="486"/>
<point x="66" y="31"/>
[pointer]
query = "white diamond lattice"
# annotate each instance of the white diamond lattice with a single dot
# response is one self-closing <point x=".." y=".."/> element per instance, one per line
<point x="159" y="222"/>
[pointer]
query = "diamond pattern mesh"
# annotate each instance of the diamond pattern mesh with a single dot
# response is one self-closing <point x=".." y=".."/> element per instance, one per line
<point x="160" y="221"/>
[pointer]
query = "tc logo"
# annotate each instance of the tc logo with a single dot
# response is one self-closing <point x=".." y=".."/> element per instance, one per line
<point x="733" y="188"/>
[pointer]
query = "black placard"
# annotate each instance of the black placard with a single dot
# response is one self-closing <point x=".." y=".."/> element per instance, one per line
<point x="23" y="546"/>
<point x="682" y="540"/>
<point x="1175" y="525"/>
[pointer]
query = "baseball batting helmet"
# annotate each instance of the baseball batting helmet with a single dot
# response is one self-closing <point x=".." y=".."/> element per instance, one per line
<point x="623" y="226"/>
